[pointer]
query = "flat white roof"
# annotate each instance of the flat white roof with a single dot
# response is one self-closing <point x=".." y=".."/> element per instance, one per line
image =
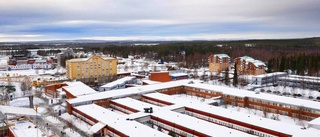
<point x="78" y="88"/>
<point x="269" y="74"/>
<point x="119" y="122"/>
<point x="18" y="111"/>
<point x="150" y="82"/>
<point x="223" y="89"/>
<point x="267" y="123"/>
<point x="263" y="96"/>
<point x="178" y="74"/>
<point x="118" y="81"/>
<point x="315" y="121"/>
<point x="127" y="91"/>
<point x="199" y="125"/>
<point x="178" y="100"/>
<point x="136" y="104"/>
<point x="96" y="127"/>
<point x="290" y="129"/>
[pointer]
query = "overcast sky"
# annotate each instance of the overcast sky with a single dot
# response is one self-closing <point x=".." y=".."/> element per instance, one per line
<point x="36" y="20"/>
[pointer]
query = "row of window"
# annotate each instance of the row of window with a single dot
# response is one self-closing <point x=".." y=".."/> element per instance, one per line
<point x="154" y="103"/>
<point x="83" y="118"/>
<point x="175" y="130"/>
<point x="120" y="109"/>
<point x="230" y="125"/>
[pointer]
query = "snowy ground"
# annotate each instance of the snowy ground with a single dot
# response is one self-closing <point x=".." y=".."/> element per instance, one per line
<point x="53" y="120"/>
<point x="77" y="122"/>
<point x="21" y="102"/>
<point x="70" y="133"/>
<point x="42" y="110"/>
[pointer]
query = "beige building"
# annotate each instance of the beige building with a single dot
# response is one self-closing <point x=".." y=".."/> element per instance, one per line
<point x="249" y="66"/>
<point x="218" y="62"/>
<point x="92" y="69"/>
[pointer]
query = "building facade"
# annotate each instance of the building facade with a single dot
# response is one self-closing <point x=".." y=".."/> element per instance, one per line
<point x="218" y="62"/>
<point x="249" y="66"/>
<point x="92" y="69"/>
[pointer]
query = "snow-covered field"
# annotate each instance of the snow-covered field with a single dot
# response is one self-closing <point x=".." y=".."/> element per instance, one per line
<point x="53" y="120"/>
<point x="77" y="122"/>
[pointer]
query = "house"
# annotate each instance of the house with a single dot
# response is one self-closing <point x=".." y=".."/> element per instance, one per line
<point x="256" y="67"/>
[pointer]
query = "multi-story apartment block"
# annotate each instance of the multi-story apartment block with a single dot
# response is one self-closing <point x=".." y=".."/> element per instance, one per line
<point x="242" y="63"/>
<point x="256" y="67"/>
<point x="218" y="62"/>
<point x="249" y="66"/>
<point x="92" y="69"/>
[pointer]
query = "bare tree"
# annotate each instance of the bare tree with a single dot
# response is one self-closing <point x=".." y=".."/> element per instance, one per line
<point x="26" y="85"/>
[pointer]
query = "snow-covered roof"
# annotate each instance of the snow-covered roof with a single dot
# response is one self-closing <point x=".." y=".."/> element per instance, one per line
<point x="150" y="82"/>
<point x="127" y="91"/>
<point x="199" y="125"/>
<point x="262" y="96"/>
<point x="85" y="59"/>
<point x="24" y="129"/>
<point x="257" y="63"/>
<point x="267" y="123"/>
<point x="18" y="111"/>
<point x="222" y="89"/>
<point x="78" y="88"/>
<point x="135" y="104"/>
<point x="119" y="122"/>
<point x="242" y="117"/>
<point x="269" y="74"/>
<point x="96" y="127"/>
<point x="304" y="77"/>
<point x="315" y="121"/>
<point x="178" y="100"/>
<point x="178" y="74"/>
<point x="301" y="79"/>
<point x="222" y="55"/>
<point x="118" y="81"/>
<point x="246" y="58"/>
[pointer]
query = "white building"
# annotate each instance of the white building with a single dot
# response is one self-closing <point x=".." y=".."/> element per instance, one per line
<point x="118" y="84"/>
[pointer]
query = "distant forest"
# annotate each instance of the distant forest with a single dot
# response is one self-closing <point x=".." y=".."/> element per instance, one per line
<point x="300" y="55"/>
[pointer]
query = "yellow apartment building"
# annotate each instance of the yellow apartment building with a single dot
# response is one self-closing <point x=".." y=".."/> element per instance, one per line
<point x="95" y="68"/>
<point x="218" y="62"/>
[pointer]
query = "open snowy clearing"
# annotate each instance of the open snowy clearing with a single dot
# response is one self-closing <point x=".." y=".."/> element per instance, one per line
<point x="77" y="122"/>
<point x="53" y="120"/>
<point x="21" y="102"/>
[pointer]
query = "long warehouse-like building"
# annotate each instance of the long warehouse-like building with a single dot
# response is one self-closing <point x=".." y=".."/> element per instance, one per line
<point x="204" y="111"/>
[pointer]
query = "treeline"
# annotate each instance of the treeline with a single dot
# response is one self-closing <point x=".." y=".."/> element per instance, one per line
<point x="195" y="53"/>
<point x="48" y="52"/>
<point x="300" y="64"/>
